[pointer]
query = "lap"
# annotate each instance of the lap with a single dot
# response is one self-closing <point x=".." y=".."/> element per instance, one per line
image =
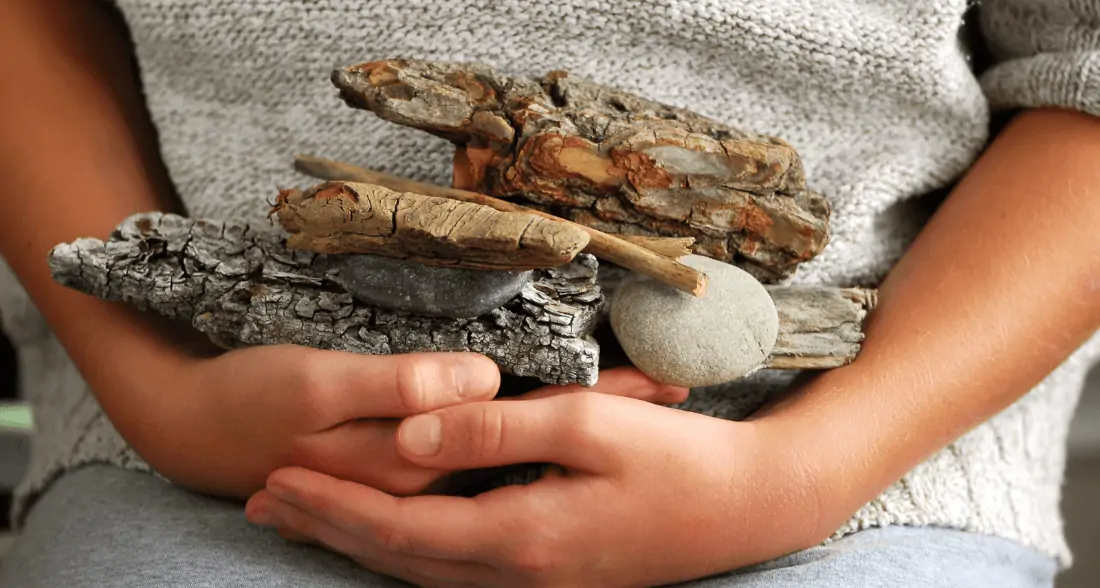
<point x="900" y="556"/>
<point x="108" y="528"/>
<point x="104" y="527"/>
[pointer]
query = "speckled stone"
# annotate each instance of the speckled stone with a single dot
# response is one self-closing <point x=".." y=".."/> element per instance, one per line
<point x="413" y="287"/>
<point x="679" y="339"/>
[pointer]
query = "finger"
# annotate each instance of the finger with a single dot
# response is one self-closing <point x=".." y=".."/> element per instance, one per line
<point x="437" y="527"/>
<point x="577" y="431"/>
<point x="366" y="452"/>
<point x="627" y="382"/>
<point x="346" y="386"/>
<point x="266" y="510"/>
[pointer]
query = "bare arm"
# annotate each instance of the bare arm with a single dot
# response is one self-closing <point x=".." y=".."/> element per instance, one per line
<point x="77" y="154"/>
<point x="1001" y="286"/>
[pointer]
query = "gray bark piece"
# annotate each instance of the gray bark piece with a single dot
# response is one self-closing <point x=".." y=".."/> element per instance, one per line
<point x="241" y="289"/>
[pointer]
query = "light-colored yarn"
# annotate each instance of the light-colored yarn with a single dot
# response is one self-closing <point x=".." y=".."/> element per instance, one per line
<point x="877" y="95"/>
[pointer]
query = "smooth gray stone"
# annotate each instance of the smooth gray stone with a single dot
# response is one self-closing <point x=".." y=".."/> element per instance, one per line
<point x="413" y="287"/>
<point x="679" y="339"/>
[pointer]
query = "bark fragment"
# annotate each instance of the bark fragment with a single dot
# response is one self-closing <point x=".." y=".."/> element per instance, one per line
<point x="345" y="217"/>
<point x="607" y="159"/>
<point x="241" y="289"/>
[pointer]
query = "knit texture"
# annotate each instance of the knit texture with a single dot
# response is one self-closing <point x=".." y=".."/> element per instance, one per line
<point x="877" y="95"/>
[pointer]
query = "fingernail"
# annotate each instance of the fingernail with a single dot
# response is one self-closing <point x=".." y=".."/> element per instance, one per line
<point x="261" y="517"/>
<point x="470" y="379"/>
<point x="422" y="435"/>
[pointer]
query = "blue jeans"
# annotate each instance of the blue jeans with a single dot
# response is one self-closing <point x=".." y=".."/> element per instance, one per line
<point x="103" y="527"/>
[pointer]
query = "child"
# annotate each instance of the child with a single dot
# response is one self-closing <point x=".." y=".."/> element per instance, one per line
<point x="933" y="460"/>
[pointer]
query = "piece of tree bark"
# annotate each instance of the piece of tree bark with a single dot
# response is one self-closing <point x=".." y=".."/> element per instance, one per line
<point x="820" y="327"/>
<point x="241" y="288"/>
<point x="619" y="251"/>
<point x="607" y="159"/>
<point x="345" y="217"/>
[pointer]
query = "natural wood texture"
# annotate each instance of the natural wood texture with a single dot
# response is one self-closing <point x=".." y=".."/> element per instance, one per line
<point x="345" y="217"/>
<point x="667" y="246"/>
<point x="820" y="327"/>
<point x="241" y="288"/>
<point x="607" y="159"/>
<point x="602" y="245"/>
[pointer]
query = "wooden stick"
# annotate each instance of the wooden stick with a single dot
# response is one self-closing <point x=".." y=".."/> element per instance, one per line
<point x="600" y="244"/>
<point x="674" y="247"/>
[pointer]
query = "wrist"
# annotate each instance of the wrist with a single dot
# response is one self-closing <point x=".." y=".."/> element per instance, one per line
<point x="785" y="495"/>
<point x="846" y="455"/>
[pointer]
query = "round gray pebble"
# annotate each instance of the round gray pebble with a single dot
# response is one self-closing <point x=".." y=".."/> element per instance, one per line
<point x="679" y="339"/>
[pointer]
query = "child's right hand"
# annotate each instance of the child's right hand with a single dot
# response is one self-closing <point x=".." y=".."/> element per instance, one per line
<point x="227" y="422"/>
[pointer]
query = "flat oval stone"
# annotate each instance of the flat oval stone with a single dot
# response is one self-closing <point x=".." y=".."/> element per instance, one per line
<point x="679" y="339"/>
<point x="409" y="286"/>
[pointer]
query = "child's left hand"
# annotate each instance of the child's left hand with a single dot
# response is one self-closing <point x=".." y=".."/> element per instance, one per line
<point x="648" y="495"/>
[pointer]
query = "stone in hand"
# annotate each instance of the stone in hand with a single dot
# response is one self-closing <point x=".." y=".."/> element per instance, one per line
<point x="679" y="339"/>
<point x="413" y="287"/>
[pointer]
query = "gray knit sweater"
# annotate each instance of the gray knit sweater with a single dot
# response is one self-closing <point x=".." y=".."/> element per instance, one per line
<point x="879" y="96"/>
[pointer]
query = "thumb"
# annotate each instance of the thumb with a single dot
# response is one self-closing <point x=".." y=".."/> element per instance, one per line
<point x="573" y="430"/>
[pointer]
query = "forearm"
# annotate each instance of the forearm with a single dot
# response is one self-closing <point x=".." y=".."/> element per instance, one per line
<point x="77" y="156"/>
<point x="1000" y="287"/>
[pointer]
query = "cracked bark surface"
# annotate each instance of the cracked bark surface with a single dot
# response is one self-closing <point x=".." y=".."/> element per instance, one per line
<point x="349" y="217"/>
<point x="241" y="289"/>
<point x="607" y="159"/>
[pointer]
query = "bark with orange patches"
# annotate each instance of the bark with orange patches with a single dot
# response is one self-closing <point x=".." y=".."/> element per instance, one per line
<point x="608" y="159"/>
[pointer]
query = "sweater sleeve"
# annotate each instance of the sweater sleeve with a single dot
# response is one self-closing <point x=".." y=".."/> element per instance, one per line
<point x="1046" y="54"/>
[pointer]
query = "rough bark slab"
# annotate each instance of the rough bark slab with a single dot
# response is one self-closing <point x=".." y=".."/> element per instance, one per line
<point x="647" y="257"/>
<point x="242" y="289"/>
<point x="607" y="159"/>
<point x="348" y="217"/>
<point x="820" y="327"/>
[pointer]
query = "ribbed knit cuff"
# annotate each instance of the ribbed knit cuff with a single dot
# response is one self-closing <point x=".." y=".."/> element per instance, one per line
<point x="1049" y="80"/>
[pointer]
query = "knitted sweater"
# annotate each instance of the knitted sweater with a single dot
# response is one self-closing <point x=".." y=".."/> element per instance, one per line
<point x="878" y="96"/>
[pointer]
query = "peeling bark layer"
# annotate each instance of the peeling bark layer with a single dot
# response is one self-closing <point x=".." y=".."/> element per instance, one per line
<point x="347" y="217"/>
<point x="243" y="289"/>
<point x="607" y="159"/>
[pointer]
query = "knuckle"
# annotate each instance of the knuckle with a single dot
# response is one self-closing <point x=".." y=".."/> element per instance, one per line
<point x="534" y="559"/>
<point x="412" y="383"/>
<point x="310" y="384"/>
<point x="586" y="412"/>
<point x="393" y="540"/>
<point x="486" y="434"/>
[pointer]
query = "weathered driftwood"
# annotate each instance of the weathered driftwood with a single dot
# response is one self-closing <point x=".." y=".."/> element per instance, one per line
<point x="607" y="159"/>
<point x="632" y="255"/>
<point x="344" y="217"/>
<point x="820" y="327"/>
<point x="242" y="289"/>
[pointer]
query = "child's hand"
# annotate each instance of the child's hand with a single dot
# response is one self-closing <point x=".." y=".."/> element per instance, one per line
<point x="650" y="495"/>
<point x="248" y="412"/>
